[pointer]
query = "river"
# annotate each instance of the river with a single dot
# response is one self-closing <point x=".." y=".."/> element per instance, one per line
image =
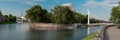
<point x="23" y="32"/>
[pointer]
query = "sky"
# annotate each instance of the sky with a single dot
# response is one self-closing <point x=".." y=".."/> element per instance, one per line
<point x="99" y="9"/>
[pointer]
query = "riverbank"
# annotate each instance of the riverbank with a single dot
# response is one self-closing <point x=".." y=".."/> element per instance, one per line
<point x="100" y="34"/>
<point x="44" y="26"/>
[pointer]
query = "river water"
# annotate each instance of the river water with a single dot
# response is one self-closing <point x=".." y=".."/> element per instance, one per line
<point x="23" y="32"/>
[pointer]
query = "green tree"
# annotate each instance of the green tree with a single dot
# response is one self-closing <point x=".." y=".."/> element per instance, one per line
<point x="62" y="14"/>
<point x="115" y="13"/>
<point x="37" y="14"/>
<point x="59" y="15"/>
<point x="10" y="18"/>
<point x="79" y="18"/>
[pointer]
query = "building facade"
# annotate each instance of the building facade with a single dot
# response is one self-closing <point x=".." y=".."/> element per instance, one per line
<point x="21" y="18"/>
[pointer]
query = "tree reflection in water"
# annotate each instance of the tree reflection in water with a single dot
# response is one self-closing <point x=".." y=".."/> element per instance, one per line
<point x="50" y="34"/>
<point x="64" y="35"/>
<point x="37" y="34"/>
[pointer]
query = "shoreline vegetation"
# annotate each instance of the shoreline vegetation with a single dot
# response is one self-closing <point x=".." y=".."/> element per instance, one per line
<point x="57" y="15"/>
<point x="7" y="19"/>
<point x="7" y="22"/>
<point x="90" y="36"/>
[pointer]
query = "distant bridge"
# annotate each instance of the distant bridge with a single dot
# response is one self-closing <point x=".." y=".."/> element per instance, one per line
<point x="94" y="24"/>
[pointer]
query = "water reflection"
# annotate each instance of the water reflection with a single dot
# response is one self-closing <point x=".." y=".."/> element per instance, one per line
<point x="23" y="32"/>
<point x="37" y="35"/>
<point x="88" y="30"/>
<point x="64" y="35"/>
<point x="50" y="34"/>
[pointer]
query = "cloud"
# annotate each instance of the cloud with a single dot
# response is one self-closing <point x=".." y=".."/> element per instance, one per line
<point x="103" y="3"/>
<point x="24" y="0"/>
<point x="28" y="2"/>
<point x="57" y="0"/>
<point x="38" y="0"/>
<point x="31" y="2"/>
<point x="9" y="0"/>
<point x="103" y="7"/>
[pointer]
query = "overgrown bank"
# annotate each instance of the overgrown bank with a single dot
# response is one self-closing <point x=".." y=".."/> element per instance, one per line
<point x="7" y="19"/>
<point x="90" y="37"/>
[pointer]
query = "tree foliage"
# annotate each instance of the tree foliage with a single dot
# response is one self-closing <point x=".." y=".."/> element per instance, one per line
<point x="58" y="15"/>
<point x="7" y="18"/>
<point x="79" y="18"/>
<point x="10" y="18"/>
<point x="62" y="14"/>
<point x="115" y="13"/>
<point x="37" y="14"/>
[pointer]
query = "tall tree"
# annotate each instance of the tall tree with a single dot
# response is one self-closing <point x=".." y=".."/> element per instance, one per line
<point x="10" y="18"/>
<point x="63" y="15"/>
<point x="37" y="14"/>
<point x="115" y="13"/>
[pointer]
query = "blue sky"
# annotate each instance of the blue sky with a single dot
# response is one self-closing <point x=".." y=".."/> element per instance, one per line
<point x="99" y="9"/>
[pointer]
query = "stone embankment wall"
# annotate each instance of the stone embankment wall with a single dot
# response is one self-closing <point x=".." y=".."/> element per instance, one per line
<point x="50" y="25"/>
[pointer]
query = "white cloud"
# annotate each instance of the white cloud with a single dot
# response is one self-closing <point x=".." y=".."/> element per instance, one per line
<point x="57" y="0"/>
<point x="24" y="0"/>
<point x="102" y="7"/>
<point x="103" y="3"/>
<point x="31" y="2"/>
<point x="28" y="2"/>
<point x="9" y="0"/>
<point x="38" y="0"/>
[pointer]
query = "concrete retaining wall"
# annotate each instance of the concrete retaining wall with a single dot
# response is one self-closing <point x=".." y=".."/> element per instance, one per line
<point x="50" y="25"/>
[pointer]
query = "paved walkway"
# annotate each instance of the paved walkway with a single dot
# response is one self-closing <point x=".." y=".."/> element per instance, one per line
<point x="113" y="33"/>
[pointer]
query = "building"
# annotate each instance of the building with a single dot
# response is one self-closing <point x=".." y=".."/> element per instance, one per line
<point x="70" y="5"/>
<point x="21" y="18"/>
<point x="2" y="18"/>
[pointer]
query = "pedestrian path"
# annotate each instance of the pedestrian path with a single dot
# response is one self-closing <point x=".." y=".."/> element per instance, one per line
<point x="113" y="33"/>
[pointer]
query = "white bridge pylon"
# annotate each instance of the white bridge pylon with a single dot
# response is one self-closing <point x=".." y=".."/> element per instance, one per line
<point x="88" y="22"/>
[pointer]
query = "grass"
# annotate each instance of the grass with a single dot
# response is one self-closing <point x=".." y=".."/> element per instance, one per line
<point x="90" y="37"/>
